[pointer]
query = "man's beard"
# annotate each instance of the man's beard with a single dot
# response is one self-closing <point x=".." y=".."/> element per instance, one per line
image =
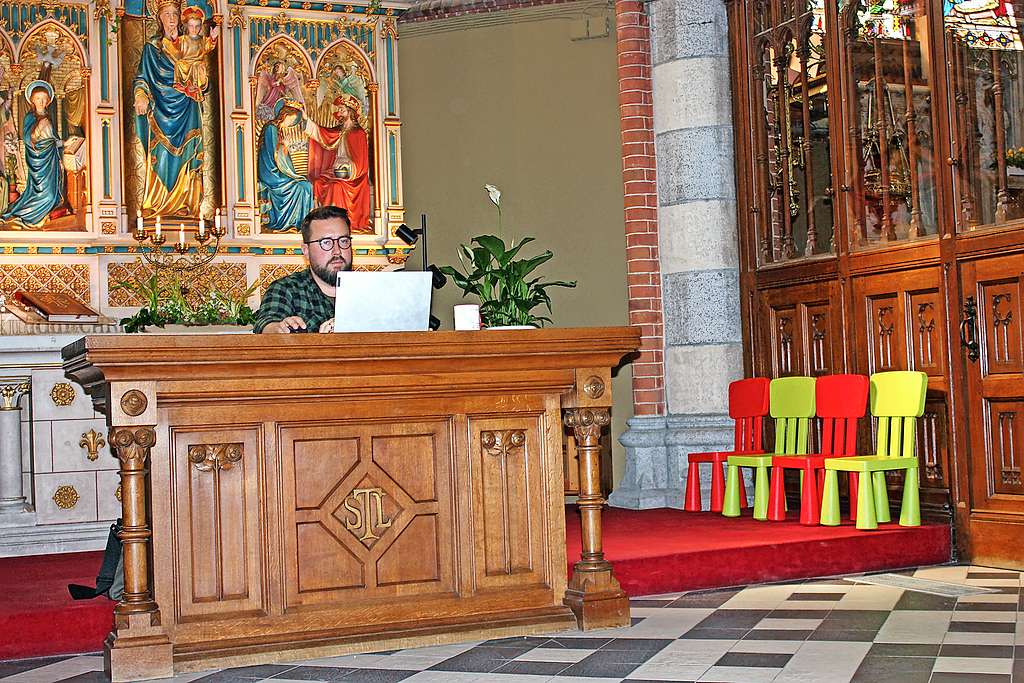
<point x="328" y="272"/>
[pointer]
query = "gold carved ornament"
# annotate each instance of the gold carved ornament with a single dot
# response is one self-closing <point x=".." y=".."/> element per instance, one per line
<point x="593" y="387"/>
<point x="66" y="497"/>
<point x="92" y="442"/>
<point x="62" y="394"/>
<point x="134" y="402"/>
<point x="11" y="394"/>
<point x="208" y="457"/>
<point x="502" y="443"/>
<point x="117" y="493"/>
<point x="366" y="507"/>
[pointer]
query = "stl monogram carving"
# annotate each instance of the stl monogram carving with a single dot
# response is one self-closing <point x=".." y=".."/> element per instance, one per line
<point x="367" y="520"/>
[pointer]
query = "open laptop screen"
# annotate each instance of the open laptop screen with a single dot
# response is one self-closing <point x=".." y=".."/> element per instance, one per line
<point x="382" y="302"/>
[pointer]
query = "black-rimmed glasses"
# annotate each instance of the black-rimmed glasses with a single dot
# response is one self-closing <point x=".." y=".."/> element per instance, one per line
<point x="327" y="243"/>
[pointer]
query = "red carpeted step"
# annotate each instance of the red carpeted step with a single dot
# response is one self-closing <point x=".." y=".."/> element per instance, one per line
<point x="652" y="551"/>
<point x="665" y="551"/>
<point x="38" y="617"/>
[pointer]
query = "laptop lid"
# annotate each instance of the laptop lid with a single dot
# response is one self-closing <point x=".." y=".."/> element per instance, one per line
<point x="382" y="302"/>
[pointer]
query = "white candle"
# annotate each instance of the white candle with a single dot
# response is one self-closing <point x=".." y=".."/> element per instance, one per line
<point x="202" y="227"/>
<point x="158" y="227"/>
<point x="216" y="220"/>
<point x="181" y="234"/>
<point x="140" y="227"/>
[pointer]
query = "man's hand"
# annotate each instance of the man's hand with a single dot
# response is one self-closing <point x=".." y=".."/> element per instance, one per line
<point x="289" y="324"/>
<point x="327" y="325"/>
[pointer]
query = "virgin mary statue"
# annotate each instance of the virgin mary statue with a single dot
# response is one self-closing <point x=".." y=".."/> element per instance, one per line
<point x="46" y="188"/>
<point x="169" y="125"/>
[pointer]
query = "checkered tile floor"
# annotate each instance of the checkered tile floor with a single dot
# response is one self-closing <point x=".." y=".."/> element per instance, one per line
<point x="825" y="631"/>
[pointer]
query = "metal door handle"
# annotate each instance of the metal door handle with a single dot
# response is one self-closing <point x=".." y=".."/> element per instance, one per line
<point x="968" y="328"/>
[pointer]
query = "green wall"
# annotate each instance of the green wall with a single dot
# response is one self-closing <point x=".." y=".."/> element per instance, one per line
<point x="523" y="107"/>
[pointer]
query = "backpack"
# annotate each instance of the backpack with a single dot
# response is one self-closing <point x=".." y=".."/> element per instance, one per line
<point x="110" y="580"/>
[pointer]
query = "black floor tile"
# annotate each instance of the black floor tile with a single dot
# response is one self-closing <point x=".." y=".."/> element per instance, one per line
<point x="823" y="597"/>
<point x="997" y="651"/>
<point x="959" y="677"/>
<point x="843" y="636"/>
<point x="17" y="666"/>
<point x="981" y="627"/>
<point x="533" y="668"/>
<point x="855" y="619"/>
<point x="986" y="607"/>
<point x="903" y="650"/>
<point x="601" y="664"/>
<point x="894" y="670"/>
<point x="316" y="673"/>
<point x="477" y="660"/>
<point x="982" y="575"/>
<point x="924" y="601"/>
<point x="517" y="641"/>
<point x="758" y="659"/>
<point x="646" y="644"/>
<point x="93" y="677"/>
<point x="714" y="634"/>
<point x="733" y="618"/>
<point x="799" y="614"/>
<point x="710" y="599"/>
<point x="650" y="603"/>
<point x="228" y="676"/>
<point x="777" y="634"/>
<point x="259" y="671"/>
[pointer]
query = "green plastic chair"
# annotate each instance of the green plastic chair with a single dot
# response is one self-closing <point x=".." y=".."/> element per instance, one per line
<point x="897" y="400"/>
<point x="791" y="403"/>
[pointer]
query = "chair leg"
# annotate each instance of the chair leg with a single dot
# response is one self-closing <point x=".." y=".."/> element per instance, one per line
<point x="866" y="507"/>
<point x="853" y="496"/>
<point x="810" y="513"/>
<point x="743" y="492"/>
<point x="910" y="510"/>
<point x="777" y="496"/>
<point x="731" y="504"/>
<point x="821" y="482"/>
<point x="830" y="501"/>
<point x="761" y="493"/>
<point x="881" y="498"/>
<point x="691" y="502"/>
<point x="717" y="487"/>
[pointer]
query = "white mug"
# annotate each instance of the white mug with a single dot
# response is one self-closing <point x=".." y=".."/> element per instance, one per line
<point x="467" y="317"/>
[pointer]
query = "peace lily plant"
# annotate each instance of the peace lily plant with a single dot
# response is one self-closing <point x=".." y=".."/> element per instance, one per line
<point x="502" y="283"/>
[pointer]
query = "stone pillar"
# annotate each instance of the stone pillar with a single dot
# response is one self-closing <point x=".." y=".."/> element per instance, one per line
<point x="698" y="258"/>
<point x="12" y="493"/>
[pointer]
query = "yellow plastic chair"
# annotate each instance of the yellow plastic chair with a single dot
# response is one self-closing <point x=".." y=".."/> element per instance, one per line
<point x="791" y="403"/>
<point x="897" y="400"/>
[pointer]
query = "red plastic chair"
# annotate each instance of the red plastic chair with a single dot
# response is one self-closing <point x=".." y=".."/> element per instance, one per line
<point x="841" y="400"/>
<point x="748" y="404"/>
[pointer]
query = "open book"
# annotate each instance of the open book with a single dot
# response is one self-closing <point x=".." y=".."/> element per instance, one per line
<point x="57" y="307"/>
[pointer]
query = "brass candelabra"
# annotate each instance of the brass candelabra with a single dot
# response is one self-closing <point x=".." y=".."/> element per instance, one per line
<point x="182" y="256"/>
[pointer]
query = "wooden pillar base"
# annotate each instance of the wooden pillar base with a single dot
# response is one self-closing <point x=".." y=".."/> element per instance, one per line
<point x="138" y="649"/>
<point x="596" y="599"/>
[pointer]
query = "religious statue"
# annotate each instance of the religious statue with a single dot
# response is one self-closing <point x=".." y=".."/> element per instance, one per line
<point x="280" y="81"/>
<point x="339" y="163"/>
<point x="286" y="193"/>
<point x="169" y="90"/>
<point x="45" y="192"/>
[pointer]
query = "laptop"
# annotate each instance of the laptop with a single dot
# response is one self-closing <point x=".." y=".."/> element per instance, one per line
<point x="382" y="302"/>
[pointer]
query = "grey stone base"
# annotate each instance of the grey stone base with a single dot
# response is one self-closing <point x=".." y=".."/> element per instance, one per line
<point x="657" y="450"/>
<point x="19" y="540"/>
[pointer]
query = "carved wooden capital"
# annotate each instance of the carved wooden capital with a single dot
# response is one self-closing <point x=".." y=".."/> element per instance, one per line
<point x="587" y="422"/>
<point x="132" y="444"/>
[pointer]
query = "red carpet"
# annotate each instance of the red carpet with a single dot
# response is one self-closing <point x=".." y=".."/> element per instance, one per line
<point x="664" y="551"/>
<point x="653" y="551"/>
<point x="38" y="617"/>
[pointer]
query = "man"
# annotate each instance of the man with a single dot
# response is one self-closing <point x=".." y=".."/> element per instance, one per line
<point x="304" y="301"/>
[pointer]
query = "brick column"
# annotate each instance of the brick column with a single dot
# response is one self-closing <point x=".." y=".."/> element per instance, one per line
<point x="639" y="177"/>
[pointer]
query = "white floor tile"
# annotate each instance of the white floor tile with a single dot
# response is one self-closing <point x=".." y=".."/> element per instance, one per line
<point x="979" y="615"/>
<point x="760" y="597"/>
<point x="865" y="596"/>
<point x="790" y="624"/>
<point x="977" y="665"/>
<point x="668" y="672"/>
<point x="767" y="646"/>
<point x="58" y="671"/>
<point x="951" y="573"/>
<point x="971" y="638"/>
<point x="824" y="662"/>
<point x="553" y="654"/>
<point x="914" y="626"/>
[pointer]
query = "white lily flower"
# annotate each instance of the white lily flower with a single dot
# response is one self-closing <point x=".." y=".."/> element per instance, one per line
<point x="494" y="193"/>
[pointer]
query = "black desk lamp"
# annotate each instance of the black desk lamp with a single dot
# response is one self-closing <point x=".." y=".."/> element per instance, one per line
<point x="410" y="236"/>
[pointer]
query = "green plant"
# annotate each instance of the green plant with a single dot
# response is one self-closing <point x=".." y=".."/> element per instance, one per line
<point x="170" y="302"/>
<point x="491" y="272"/>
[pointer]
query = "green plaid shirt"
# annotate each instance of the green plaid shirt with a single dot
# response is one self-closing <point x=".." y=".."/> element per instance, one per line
<point x="295" y="294"/>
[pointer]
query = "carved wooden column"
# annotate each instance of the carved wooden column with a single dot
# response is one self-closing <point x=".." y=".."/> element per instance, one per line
<point x="593" y="594"/>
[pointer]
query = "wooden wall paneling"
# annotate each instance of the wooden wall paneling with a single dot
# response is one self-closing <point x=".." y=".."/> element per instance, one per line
<point x="505" y="460"/>
<point x="801" y="330"/>
<point x="219" y="559"/>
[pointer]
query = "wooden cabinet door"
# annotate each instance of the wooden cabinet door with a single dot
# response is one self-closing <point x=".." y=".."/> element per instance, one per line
<point x="994" y="515"/>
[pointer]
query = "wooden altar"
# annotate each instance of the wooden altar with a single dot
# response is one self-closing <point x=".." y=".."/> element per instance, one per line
<point x="296" y="496"/>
